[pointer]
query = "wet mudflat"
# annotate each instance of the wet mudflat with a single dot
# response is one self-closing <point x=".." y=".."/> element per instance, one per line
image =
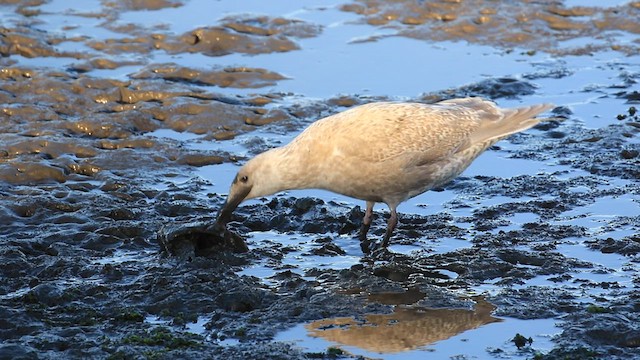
<point x="123" y="123"/>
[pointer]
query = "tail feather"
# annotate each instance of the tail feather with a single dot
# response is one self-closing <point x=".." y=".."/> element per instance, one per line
<point x="512" y="121"/>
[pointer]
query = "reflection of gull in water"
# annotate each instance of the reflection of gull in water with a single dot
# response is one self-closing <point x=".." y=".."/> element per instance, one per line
<point x="381" y="152"/>
<point x="406" y="329"/>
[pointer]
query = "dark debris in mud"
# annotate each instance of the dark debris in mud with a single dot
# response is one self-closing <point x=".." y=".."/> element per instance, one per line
<point x="187" y="240"/>
<point x="494" y="88"/>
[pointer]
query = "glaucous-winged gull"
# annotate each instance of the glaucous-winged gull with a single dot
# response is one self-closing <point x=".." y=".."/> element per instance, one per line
<point x="381" y="152"/>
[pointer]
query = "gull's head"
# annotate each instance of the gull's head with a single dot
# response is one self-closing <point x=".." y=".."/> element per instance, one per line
<point x="256" y="178"/>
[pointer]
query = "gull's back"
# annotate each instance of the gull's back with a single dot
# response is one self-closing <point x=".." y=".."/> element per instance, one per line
<point x="389" y="152"/>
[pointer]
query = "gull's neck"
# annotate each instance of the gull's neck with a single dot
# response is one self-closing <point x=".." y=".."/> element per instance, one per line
<point x="283" y="168"/>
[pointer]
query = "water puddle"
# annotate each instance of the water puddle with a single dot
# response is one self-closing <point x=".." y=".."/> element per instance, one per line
<point x="418" y="333"/>
<point x="172" y="134"/>
<point x="123" y="257"/>
<point x="615" y="266"/>
<point x="197" y="327"/>
<point x="442" y="245"/>
<point x="156" y="320"/>
<point x="602" y="215"/>
<point x="15" y="294"/>
<point x="204" y="12"/>
<point x="342" y="62"/>
<point x="593" y="283"/>
<point x="301" y="254"/>
<point x="593" y="3"/>
<point x="402" y="331"/>
<point x="516" y="221"/>
<point x="169" y="181"/>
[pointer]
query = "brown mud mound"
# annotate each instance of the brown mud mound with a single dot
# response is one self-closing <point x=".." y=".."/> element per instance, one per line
<point x="187" y="240"/>
<point x="535" y="25"/>
<point x="57" y="125"/>
<point x="238" y="77"/>
<point x="26" y="42"/>
<point x="143" y="4"/>
<point x="245" y="35"/>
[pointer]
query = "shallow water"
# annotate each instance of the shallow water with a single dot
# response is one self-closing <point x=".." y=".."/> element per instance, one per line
<point x="480" y="342"/>
<point x="335" y="62"/>
<point x="295" y="260"/>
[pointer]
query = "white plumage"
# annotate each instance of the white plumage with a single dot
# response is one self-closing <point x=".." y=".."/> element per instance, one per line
<point x="381" y="152"/>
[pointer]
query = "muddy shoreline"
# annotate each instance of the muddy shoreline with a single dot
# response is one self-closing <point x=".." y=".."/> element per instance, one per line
<point x="89" y="188"/>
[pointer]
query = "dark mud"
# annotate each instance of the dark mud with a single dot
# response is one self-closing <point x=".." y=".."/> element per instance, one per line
<point x="90" y="197"/>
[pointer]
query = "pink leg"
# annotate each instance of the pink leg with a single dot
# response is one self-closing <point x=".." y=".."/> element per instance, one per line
<point x="366" y="221"/>
<point x="391" y="225"/>
<point x="366" y="224"/>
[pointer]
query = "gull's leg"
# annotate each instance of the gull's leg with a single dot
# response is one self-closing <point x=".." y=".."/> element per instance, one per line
<point x="366" y="224"/>
<point x="391" y="225"/>
<point x="366" y="221"/>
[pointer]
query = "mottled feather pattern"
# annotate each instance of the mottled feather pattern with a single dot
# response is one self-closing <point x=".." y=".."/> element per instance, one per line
<point x="391" y="151"/>
<point x="381" y="131"/>
<point x="383" y="152"/>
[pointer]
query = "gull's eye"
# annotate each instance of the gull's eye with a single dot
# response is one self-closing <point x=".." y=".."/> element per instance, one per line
<point x="244" y="179"/>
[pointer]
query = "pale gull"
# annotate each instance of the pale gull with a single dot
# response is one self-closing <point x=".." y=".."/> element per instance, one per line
<point x="381" y="152"/>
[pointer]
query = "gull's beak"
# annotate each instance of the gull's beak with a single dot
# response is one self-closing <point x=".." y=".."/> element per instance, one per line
<point x="233" y="200"/>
